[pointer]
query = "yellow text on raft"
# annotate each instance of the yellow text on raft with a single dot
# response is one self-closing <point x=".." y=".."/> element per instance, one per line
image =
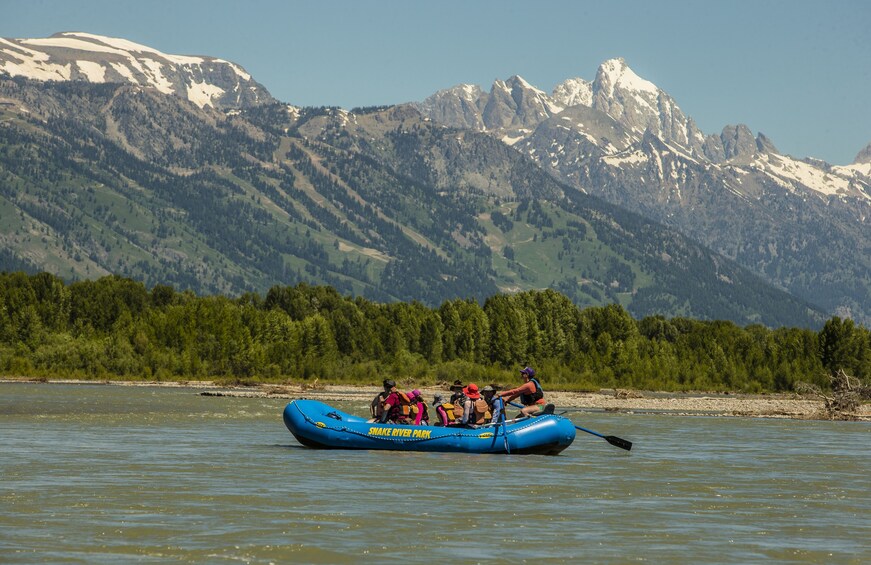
<point x="400" y="432"/>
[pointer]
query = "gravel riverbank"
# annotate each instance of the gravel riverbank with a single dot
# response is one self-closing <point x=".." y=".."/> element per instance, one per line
<point x="740" y="405"/>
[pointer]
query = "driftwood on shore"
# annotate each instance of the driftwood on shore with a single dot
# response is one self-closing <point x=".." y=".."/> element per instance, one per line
<point x="846" y="398"/>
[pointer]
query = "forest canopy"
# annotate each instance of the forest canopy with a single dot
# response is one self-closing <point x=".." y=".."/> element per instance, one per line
<point x="115" y="327"/>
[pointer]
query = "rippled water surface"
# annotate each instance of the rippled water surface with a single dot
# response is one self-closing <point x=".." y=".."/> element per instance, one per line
<point x="106" y="474"/>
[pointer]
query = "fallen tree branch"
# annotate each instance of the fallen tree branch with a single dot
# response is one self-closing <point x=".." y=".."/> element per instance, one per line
<point x="847" y="395"/>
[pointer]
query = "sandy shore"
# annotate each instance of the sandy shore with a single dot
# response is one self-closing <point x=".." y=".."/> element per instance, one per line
<point x="632" y="402"/>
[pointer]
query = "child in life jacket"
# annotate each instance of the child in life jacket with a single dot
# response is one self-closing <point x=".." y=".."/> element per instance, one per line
<point x="443" y="417"/>
<point x="418" y="408"/>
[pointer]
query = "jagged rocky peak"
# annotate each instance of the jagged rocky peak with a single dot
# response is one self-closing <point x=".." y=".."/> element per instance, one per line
<point x="640" y="105"/>
<point x="864" y="156"/>
<point x="516" y="103"/>
<point x="615" y="74"/>
<point x="573" y="92"/>
<point x="459" y="106"/>
<point x="78" y="56"/>
<point x="765" y="145"/>
<point x="736" y="142"/>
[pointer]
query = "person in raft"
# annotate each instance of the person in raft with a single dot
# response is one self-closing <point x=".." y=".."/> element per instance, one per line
<point x="376" y="407"/>
<point x="419" y="409"/>
<point x="456" y="391"/>
<point x="530" y="393"/>
<point x="442" y="418"/>
<point x="464" y="407"/>
<point x="495" y="403"/>
<point x="391" y="411"/>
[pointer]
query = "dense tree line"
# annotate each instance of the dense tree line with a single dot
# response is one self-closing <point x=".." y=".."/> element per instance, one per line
<point x="116" y="327"/>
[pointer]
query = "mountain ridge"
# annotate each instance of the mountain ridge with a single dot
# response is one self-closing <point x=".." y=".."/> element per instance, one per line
<point x="384" y="204"/>
<point x="344" y="194"/>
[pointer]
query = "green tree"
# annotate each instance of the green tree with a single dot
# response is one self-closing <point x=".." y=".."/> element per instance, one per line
<point x="845" y="346"/>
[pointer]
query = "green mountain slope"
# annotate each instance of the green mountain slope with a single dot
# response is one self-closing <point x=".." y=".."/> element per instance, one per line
<point x="98" y="179"/>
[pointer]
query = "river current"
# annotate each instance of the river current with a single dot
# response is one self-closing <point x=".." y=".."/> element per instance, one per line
<point x="110" y="474"/>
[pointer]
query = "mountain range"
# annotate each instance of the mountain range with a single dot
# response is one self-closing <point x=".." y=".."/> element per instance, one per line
<point x="802" y="224"/>
<point x="117" y="158"/>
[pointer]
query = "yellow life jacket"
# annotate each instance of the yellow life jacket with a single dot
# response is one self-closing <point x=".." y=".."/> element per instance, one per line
<point x="449" y="410"/>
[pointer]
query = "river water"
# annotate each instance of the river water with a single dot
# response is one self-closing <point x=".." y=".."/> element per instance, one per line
<point x="108" y="474"/>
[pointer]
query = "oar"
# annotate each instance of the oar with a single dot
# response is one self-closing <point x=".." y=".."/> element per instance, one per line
<point x="505" y="431"/>
<point x="613" y="440"/>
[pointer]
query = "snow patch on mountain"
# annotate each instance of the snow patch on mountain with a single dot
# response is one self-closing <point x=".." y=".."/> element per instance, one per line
<point x="793" y="172"/>
<point x="634" y="157"/>
<point x="205" y="81"/>
<point x="94" y="71"/>
<point x="855" y="169"/>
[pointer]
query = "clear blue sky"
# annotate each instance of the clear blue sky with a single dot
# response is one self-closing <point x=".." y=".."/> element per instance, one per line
<point x="798" y="71"/>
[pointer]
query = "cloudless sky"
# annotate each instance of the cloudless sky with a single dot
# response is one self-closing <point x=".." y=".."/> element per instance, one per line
<point x="798" y="71"/>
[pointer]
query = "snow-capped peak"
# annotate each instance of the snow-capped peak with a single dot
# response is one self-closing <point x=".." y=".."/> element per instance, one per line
<point x="523" y="83"/>
<point x="615" y="73"/>
<point x="468" y="92"/>
<point x="573" y="92"/>
<point x="79" y="56"/>
<point x="642" y="106"/>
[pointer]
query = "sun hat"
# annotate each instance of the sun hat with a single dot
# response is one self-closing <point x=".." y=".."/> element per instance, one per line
<point x="458" y="385"/>
<point x="414" y="394"/>
<point x="438" y="399"/>
<point x="488" y="388"/>
<point x="471" y="391"/>
<point x="388" y="383"/>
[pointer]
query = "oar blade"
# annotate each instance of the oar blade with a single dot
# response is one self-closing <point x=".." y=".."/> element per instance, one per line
<point x="619" y="442"/>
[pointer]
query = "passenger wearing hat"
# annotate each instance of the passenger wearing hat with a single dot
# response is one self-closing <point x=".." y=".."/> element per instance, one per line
<point x="456" y="391"/>
<point x="530" y="393"/>
<point x="495" y="403"/>
<point x="468" y="415"/>
<point x="480" y="407"/>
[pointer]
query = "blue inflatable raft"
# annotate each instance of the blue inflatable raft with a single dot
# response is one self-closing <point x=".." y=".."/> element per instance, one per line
<point x="318" y="425"/>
